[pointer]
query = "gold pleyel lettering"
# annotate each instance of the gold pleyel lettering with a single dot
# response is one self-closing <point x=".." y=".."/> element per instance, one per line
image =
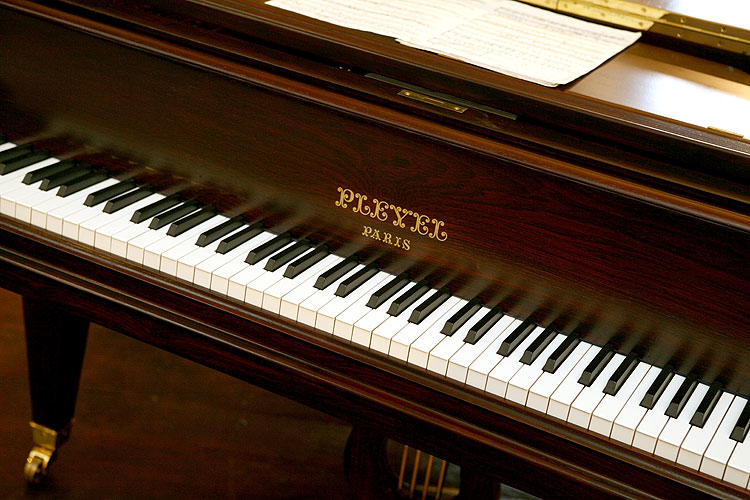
<point x="400" y="217"/>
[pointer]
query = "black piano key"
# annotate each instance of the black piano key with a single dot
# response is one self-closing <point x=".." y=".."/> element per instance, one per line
<point x="561" y="353"/>
<point x="357" y="279"/>
<point x="462" y="316"/>
<point x="75" y="172"/>
<point x="3" y="139"/>
<point x="706" y="405"/>
<point x="597" y="365"/>
<point x="190" y="221"/>
<point x="82" y="183"/>
<point x="173" y="214"/>
<point x="514" y="339"/>
<point x="739" y="432"/>
<point x="127" y="199"/>
<point x="108" y="192"/>
<point x="234" y="240"/>
<point x="482" y="326"/>
<point x="44" y="172"/>
<point x="336" y="272"/>
<point x="268" y="248"/>
<point x="681" y="396"/>
<point x="24" y="161"/>
<point x="388" y="290"/>
<point x="154" y="208"/>
<point x="657" y="387"/>
<point x="539" y="344"/>
<point x="220" y="231"/>
<point x="409" y="297"/>
<point x="621" y="374"/>
<point x="287" y="255"/>
<point x="429" y="305"/>
<point x="306" y="262"/>
<point x="15" y="153"/>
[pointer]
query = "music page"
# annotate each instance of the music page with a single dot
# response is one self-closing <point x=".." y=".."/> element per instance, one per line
<point x="408" y="19"/>
<point x="505" y="36"/>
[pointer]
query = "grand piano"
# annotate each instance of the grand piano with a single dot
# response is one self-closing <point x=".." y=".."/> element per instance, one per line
<point x="546" y="286"/>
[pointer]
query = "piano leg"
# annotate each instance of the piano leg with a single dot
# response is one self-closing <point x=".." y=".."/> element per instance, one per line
<point x="475" y="486"/>
<point x="366" y="465"/>
<point x="55" y="345"/>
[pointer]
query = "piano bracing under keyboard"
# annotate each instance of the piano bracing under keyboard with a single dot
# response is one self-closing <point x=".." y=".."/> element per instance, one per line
<point x="549" y="289"/>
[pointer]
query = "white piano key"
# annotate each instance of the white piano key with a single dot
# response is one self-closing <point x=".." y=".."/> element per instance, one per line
<point x="382" y="335"/>
<point x="72" y="223"/>
<point x="13" y="180"/>
<point x="170" y="258"/>
<point x="623" y="428"/>
<point x="362" y="332"/>
<point x="57" y="216"/>
<point x="590" y="397"/>
<point x="458" y="365"/>
<point x="7" y="145"/>
<point x="540" y="392"/>
<point x="419" y="350"/>
<point x="153" y="252"/>
<point x="673" y="434"/>
<point x="255" y="289"/>
<point x="39" y="211"/>
<point x="204" y="272"/>
<point x="717" y="454"/>
<point x="89" y="230"/>
<point x="400" y="343"/>
<point x="273" y="295"/>
<point x="326" y="318"/>
<point x="344" y="325"/>
<point x="499" y="377"/>
<point x="440" y="355"/>
<point x="698" y="438"/>
<point x="291" y="302"/>
<point x="519" y="385"/>
<point x="186" y="265"/>
<point x="610" y="406"/>
<point x="647" y="432"/>
<point x="307" y="309"/>
<point x="104" y="234"/>
<point x="480" y="369"/>
<point x="738" y="468"/>
<point x="237" y="283"/>
<point x="137" y="245"/>
<point x="570" y="388"/>
<point x="119" y="241"/>
<point x="23" y="196"/>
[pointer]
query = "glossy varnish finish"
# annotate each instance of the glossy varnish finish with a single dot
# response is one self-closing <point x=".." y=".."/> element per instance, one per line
<point x="576" y="253"/>
<point x="652" y="266"/>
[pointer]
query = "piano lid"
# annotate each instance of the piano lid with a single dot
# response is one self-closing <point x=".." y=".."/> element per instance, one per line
<point x="689" y="139"/>
<point x="668" y="95"/>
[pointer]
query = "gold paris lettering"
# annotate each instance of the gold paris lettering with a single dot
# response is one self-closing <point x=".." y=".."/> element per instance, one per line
<point x="386" y="237"/>
<point x="383" y="211"/>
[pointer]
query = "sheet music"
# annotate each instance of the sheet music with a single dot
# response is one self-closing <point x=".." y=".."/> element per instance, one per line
<point x="408" y="19"/>
<point x="501" y="35"/>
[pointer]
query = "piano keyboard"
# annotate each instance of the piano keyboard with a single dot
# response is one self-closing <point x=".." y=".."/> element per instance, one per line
<point x="676" y="417"/>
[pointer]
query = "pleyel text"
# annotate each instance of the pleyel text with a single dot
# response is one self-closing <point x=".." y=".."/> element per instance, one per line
<point x="400" y="217"/>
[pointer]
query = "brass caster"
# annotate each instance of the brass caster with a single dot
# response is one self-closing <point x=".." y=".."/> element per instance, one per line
<point x="46" y="442"/>
<point x="35" y="469"/>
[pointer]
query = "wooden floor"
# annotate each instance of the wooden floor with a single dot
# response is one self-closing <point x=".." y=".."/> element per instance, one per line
<point x="151" y="425"/>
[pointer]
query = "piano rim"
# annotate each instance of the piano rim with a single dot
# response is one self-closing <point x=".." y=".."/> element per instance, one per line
<point x="90" y="282"/>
